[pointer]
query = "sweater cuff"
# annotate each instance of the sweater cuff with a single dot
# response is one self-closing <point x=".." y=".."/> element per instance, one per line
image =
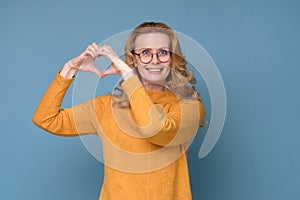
<point x="63" y="80"/>
<point x="131" y="85"/>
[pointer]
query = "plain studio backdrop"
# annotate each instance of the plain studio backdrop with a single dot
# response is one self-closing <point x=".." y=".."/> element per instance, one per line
<point x="255" y="45"/>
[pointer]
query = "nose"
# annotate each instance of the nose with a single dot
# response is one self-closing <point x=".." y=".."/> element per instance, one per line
<point x="154" y="59"/>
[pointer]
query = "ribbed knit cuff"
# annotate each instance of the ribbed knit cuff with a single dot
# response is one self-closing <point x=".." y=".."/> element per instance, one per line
<point x="131" y="85"/>
<point x="62" y="80"/>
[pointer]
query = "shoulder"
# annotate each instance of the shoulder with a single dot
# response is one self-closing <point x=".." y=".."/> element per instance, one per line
<point x="103" y="100"/>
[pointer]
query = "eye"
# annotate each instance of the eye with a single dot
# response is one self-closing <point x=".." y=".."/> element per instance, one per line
<point x="146" y="52"/>
<point x="163" y="52"/>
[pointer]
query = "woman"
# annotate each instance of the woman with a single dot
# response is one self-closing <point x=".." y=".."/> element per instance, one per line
<point x="145" y="126"/>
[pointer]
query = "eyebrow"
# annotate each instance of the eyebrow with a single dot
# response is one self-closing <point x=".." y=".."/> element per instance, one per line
<point x="164" y="48"/>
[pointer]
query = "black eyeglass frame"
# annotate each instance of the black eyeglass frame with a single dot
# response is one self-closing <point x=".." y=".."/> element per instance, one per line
<point x="138" y="54"/>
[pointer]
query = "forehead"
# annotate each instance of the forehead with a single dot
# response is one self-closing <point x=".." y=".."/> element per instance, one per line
<point x="152" y="40"/>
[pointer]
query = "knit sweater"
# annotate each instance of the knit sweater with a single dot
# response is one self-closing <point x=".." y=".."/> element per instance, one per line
<point x="144" y="146"/>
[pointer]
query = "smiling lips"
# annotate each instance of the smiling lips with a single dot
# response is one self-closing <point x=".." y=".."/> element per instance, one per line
<point x="155" y="70"/>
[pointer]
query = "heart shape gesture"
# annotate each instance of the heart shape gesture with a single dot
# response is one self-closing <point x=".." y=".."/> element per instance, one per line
<point x="85" y="61"/>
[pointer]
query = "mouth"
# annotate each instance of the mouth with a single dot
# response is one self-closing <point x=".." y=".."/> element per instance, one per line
<point x="154" y="70"/>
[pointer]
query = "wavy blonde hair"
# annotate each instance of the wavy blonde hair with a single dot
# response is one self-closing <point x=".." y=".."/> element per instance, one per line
<point x="179" y="79"/>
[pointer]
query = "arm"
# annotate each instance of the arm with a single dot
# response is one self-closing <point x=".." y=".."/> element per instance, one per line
<point x="79" y="119"/>
<point x="51" y="118"/>
<point x="176" y="126"/>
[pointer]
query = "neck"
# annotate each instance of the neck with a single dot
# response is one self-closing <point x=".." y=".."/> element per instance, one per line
<point x="153" y="86"/>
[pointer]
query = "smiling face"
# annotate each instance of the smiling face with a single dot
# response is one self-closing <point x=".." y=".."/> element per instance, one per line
<point x="157" y="69"/>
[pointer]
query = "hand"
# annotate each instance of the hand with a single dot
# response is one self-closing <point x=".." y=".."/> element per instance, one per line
<point x="118" y="66"/>
<point x="85" y="62"/>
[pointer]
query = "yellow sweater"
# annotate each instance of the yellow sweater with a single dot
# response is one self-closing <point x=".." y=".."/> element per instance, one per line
<point x="143" y="146"/>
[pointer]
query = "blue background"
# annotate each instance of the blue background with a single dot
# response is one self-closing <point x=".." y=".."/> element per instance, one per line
<point x="255" y="45"/>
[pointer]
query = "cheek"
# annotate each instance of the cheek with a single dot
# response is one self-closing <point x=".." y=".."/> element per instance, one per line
<point x="167" y="64"/>
<point x="137" y="62"/>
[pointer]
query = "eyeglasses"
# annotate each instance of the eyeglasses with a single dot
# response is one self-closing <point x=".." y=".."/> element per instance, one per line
<point x="146" y="55"/>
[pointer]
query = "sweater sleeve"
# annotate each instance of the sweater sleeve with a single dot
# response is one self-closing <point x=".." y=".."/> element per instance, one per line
<point x="171" y="127"/>
<point x="64" y="122"/>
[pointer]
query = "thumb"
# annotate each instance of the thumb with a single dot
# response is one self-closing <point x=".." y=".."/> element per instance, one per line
<point x="97" y="72"/>
<point x="77" y="61"/>
<point x="108" y="72"/>
<point x="105" y="73"/>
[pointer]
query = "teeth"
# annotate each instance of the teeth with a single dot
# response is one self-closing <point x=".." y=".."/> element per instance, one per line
<point x="154" y="70"/>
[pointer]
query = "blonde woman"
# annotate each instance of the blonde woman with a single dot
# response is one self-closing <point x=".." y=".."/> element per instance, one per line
<point x="147" y="123"/>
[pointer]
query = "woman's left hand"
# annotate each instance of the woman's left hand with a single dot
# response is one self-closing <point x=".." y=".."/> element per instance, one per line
<point x="118" y="66"/>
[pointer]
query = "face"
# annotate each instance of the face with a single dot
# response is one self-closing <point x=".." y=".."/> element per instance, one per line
<point x="158" y="68"/>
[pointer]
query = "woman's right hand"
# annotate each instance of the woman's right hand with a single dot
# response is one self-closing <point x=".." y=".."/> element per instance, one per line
<point x="84" y="62"/>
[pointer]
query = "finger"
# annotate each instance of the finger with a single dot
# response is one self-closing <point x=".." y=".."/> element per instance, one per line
<point x="90" y="53"/>
<point x="79" y="59"/>
<point x="111" y="70"/>
<point x="97" y="72"/>
<point x="101" y="52"/>
<point x="108" y="52"/>
<point x="109" y="48"/>
<point x="92" y="48"/>
<point x="95" y="46"/>
<point x="106" y="73"/>
<point x="105" y="48"/>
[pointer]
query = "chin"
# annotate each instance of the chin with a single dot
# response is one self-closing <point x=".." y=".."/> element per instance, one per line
<point x="154" y="73"/>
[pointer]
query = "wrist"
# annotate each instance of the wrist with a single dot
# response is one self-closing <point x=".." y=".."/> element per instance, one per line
<point x="68" y="71"/>
<point x="127" y="75"/>
<point x="122" y="67"/>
